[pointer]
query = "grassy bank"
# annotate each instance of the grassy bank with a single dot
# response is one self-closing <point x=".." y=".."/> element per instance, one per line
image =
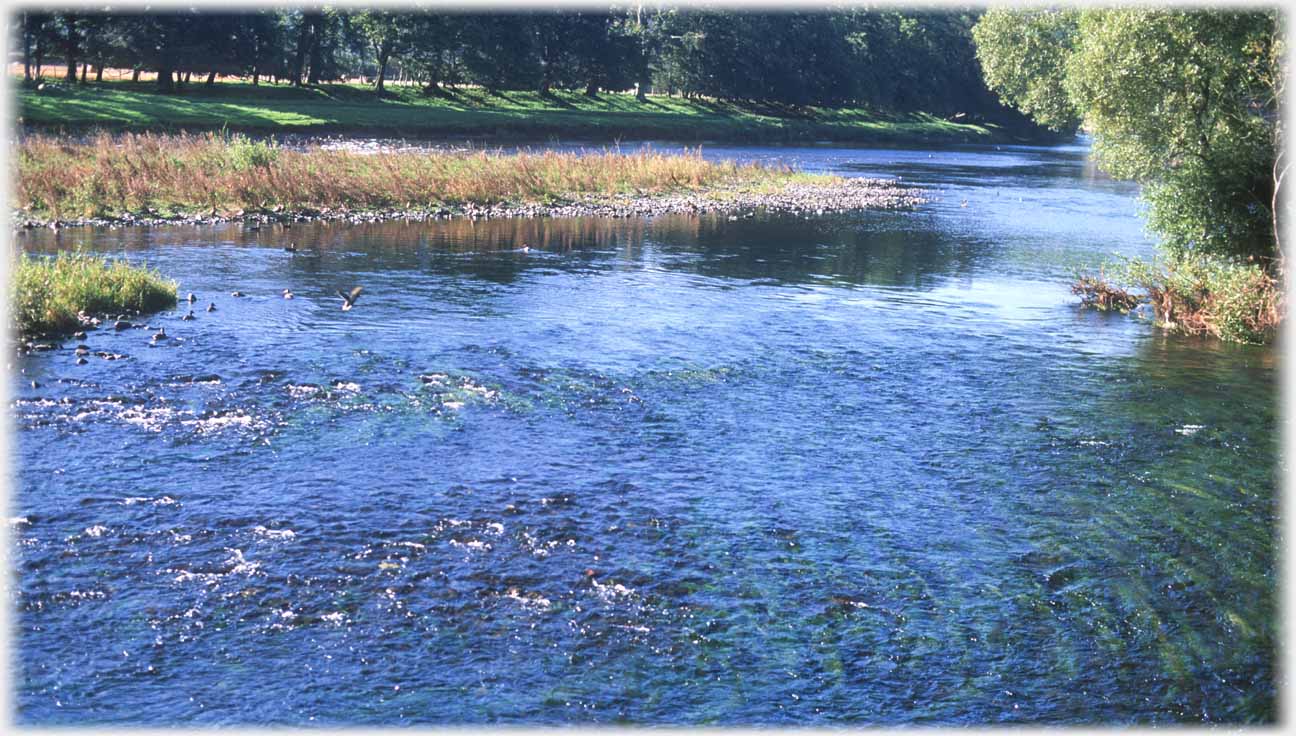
<point x="1193" y="294"/>
<point x="188" y="174"/>
<point x="469" y="112"/>
<point x="48" y="294"/>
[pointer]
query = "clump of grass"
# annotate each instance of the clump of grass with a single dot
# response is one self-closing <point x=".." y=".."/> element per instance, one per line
<point x="49" y="294"/>
<point x="109" y="175"/>
<point x="1198" y="294"/>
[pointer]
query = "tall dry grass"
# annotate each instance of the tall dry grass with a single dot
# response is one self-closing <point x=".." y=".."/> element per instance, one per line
<point x="108" y="175"/>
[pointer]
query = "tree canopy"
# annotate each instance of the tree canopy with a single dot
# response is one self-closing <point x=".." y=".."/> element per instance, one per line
<point x="1184" y="101"/>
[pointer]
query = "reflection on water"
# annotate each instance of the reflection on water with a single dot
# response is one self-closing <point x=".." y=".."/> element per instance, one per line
<point x="867" y="468"/>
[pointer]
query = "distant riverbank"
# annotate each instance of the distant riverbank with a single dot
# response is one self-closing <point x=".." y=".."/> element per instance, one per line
<point x="157" y="179"/>
<point x="474" y="113"/>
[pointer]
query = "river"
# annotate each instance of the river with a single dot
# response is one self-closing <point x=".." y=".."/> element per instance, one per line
<point x="874" y="468"/>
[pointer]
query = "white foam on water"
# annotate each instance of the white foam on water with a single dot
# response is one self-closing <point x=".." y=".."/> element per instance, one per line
<point x="241" y="566"/>
<point x="528" y="600"/>
<point x="473" y="544"/>
<point x="303" y="392"/>
<point x="161" y="501"/>
<point x="277" y="534"/>
<point x="1190" y="429"/>
<point x="215" y="424"/>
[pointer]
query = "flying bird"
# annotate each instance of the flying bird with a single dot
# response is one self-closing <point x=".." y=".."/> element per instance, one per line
<point x="348" y="300"/>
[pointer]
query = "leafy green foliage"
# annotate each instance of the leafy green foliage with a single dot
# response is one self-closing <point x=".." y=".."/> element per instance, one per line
<point x="1183" y="101"/>
<point x="1023" y="56"/>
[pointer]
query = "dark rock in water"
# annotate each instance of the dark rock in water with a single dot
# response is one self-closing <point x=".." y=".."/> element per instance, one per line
<point x="110" y="356"/>
<point x="35" y="384"/>
<point x="81" y="361"/>
<point x="82" y="350"/>
<point x="211" y="307"/>
<point x="237" y="293"/>
<point x="122" y="324"/>
<point x="78" y="335"/>
<point x="44" y="346"/>
<point x="269" y="375"/>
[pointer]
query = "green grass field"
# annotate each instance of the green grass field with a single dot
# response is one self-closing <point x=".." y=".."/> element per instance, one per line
<point x="468" y="112"/>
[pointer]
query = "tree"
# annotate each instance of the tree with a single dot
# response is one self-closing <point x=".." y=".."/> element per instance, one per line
<point x="1023" y="57"/>
<point x="1184" y="101"/>
<point x="386" y="33"/>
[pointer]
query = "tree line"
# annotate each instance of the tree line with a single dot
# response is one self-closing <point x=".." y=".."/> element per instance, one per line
<point x="892" y="60"/>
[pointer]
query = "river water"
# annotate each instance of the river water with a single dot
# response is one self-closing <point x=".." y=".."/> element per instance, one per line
<point x="875" y="468"/>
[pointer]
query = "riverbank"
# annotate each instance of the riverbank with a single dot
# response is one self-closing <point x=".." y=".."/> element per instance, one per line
<point x="156" y="179"/>
<point x="476" y="114"/>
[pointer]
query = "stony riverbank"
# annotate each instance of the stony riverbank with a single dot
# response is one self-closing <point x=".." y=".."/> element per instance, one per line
<point x="793" y="198"/>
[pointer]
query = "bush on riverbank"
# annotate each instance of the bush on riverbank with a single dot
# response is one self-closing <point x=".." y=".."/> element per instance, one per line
<point x="1196" y="294"/>
<point x="49" y="293"/>
<point x="109" y="175"/>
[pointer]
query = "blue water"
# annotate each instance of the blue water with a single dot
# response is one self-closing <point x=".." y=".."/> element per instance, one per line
<point x="875" y="468"/>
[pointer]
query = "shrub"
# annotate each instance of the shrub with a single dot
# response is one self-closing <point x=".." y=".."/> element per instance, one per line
<point x="1198" y="294"/>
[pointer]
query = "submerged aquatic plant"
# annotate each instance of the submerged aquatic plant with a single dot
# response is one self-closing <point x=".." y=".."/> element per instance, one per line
<point x="49" y="295"/>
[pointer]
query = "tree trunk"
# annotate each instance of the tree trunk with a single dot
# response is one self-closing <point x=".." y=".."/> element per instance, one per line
<point x="135" y="74"/>
<point x="383" y="56"/>
<point x="164" y="82"/>
<point x="256" y="75"/>
<point x="211" y="79"/>
<point x="304" y="41"/>
<point x="645" y="83"/>
<point x="591" y="89"/>
<point x="84" y="68"/>
<point x="188" y="76"/>
<point x="317" y="48"/>
<point x="98" y="72"/>
<point x="69" y="47"/>
<point x="27" y="65"/>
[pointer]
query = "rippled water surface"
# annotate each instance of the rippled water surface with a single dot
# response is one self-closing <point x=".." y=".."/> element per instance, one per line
<point x="875" y="468"/>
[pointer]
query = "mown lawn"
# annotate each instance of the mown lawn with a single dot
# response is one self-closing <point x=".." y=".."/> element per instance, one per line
<point x="467" y="112"/>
